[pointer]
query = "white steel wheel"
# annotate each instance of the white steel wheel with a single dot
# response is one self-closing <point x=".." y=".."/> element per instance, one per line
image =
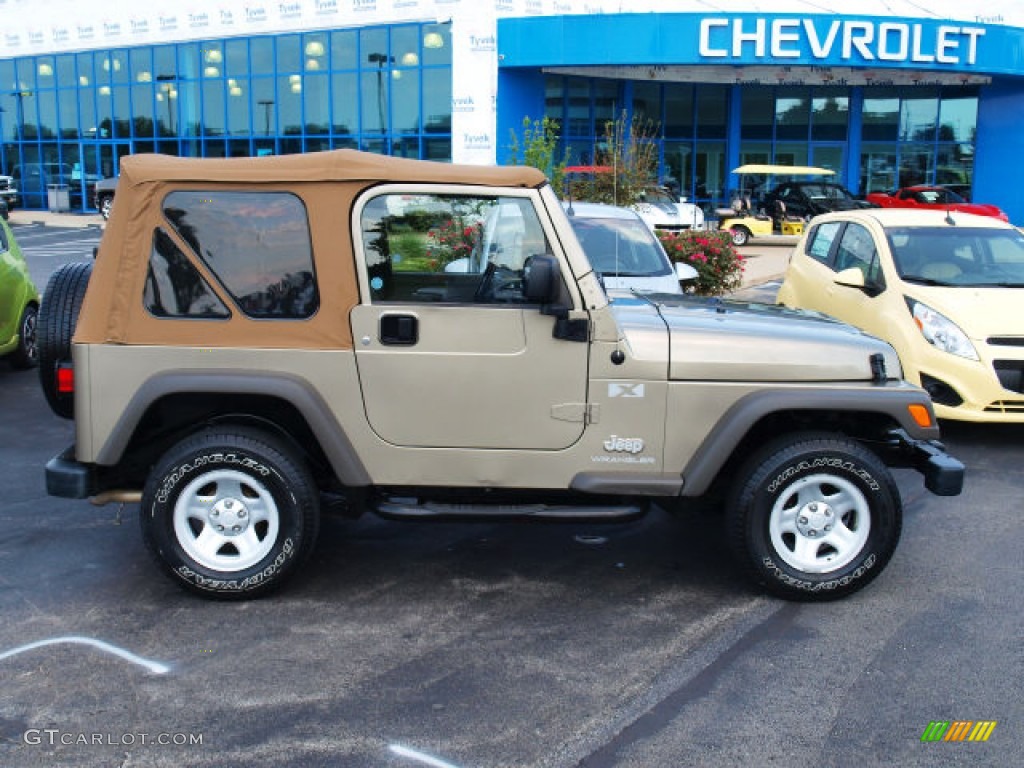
<point x="226" y="521"/>
<point x="820" y="523"/>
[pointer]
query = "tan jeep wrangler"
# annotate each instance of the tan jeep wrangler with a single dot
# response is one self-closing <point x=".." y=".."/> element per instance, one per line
<point x="263" y="339"/>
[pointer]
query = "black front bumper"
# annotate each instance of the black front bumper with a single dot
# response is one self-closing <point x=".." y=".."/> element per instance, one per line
<point x="68" y="478"/>
<point x="943" y="474"/>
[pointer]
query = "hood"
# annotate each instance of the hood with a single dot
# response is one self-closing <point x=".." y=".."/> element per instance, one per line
<point x="713" y="339"/>
<point x="980" y="312"/>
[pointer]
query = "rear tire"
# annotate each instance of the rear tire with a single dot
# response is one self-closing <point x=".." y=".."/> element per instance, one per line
<point x="740" y="235"/>
<point x="27" y="353"/>
<point x="58" y="316"/>
<point x="230" y="513"/>
<point x="814" y="517"/>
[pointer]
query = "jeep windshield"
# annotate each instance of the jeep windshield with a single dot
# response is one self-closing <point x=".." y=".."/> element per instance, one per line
<point x="621" y="246"/>
<point x="959" y="257"/>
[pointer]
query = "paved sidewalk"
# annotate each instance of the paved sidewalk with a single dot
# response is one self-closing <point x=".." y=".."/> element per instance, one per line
<point x="48" y="218"/>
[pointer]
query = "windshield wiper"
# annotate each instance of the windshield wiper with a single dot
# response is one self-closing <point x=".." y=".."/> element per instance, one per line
<point x="929" y="281"/>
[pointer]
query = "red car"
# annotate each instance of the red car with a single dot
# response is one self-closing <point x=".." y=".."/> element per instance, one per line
<point x="924" y="196"/>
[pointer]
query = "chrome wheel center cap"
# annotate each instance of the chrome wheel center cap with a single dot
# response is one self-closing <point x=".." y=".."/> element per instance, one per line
<point x="815" y="520"/>
<point x="229" y="517"/>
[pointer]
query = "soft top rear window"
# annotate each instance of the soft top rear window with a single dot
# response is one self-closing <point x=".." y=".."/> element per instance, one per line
<point x="257" y="244"/>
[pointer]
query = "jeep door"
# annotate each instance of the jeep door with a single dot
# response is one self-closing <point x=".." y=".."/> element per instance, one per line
<point x="448" y="352"/>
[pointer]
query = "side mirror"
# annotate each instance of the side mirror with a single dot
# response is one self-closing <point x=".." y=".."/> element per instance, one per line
<point x="541" y="279"/>
<point x="851" y="278"/>
<point x="685" y="272"/>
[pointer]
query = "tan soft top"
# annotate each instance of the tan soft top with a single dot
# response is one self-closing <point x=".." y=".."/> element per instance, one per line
<point x="337" y="165"/>
<point x="328" y="184"/>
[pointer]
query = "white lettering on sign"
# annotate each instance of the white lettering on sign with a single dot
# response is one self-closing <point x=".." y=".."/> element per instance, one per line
<point x="868" y="40"/>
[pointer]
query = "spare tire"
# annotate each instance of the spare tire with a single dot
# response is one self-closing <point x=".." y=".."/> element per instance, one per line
<point x="58" y="316"/>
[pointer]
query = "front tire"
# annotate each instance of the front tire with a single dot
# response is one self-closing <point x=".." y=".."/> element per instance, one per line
<point x="230" y="513"/>
<point x="814" y="517"/>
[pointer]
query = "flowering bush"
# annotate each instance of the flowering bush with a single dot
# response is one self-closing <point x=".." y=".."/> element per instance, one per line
<point x="452" y="239"/>
<point x="719" y="266"/>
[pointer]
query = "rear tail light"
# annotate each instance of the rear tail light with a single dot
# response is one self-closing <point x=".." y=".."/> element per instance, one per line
<point x="65" y="379"/>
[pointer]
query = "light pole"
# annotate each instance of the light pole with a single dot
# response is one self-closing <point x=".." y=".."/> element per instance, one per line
<point x="380" y="59"/>
<point x="169" y="94"/>
<point x="267" y="105"/>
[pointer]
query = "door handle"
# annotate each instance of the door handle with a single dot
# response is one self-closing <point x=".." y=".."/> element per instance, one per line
<point x="399" y="330"/>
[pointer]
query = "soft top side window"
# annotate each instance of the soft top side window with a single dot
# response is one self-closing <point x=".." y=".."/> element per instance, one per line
<point x="442" y="248"/>
<point x="257" y="244"/>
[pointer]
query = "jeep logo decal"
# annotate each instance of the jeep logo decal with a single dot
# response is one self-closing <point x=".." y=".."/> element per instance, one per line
<point x="616" y="444"/>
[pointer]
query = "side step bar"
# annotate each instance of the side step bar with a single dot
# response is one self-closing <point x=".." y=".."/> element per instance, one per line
<point x="406" y="508"/>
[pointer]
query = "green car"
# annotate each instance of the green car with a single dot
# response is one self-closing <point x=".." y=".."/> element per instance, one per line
<point x="19" y="304"/>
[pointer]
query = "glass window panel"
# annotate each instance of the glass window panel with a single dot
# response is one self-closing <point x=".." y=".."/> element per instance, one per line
<point x="213" y="107"/>
<point x="406" y="146"/>
<point x="264" y="111"/>
<point x="579" y="123"/>
<point x="607" y="101"/>
<point x="267" y="265"/>
<point x="189" y="61"/>
<point x="317" y="144"/>
<point x="238" y="148"/>
<point x="174" y="287"/>
<point x="120" y="71"/>
<point x="958" y="118"/>
<point x="954" y="168"/>
<point x="877" y="168"/>
<point x="344" y="50"/>
<point x="261" y="55"/>
<point x="881" y="115"/>
<point x="828" y="157"/>
<point x="830" y="114"/>
<point x="405" y="45"/>
<point x="405" y="101"/>
<point x="792" y="113"/>
<point x="712" y="111"/>
<point x="66" y="75"/>
<point x="289" y="104"/>
<point x="212" y="59"/>
<point x="678" y="172"/>
<point x="917" y="164"/>
<point x="214" y="148"/>
<point x="437" y="100"/>
<point x="46" y="72"/>
<point x="919" y="115"/>
<point x="105" y="112"/>
<point x="554" y="101"/>
<point x="47" y="105"/>
<point x="757" y="107"/>
<point x="345" y="103"/>
<point x="236" y="58"/>
<point x="437" y="149"/>
<point x="709" y="167"/>
<point x="141" y="60"/>
<point x="315" y="52"/>
<point x="376" y="146"/>
<point x="373" y="46"/>
<point x="316" y="100"/>
<point x="289" y="53"/>
<point x="67" y="103"/>
<point x="165" y="62"/>
<point x="142" y="110"/>
<point x="167" y="108"/>
<point x="790" y="154"/>
<point x="87" y="112"/>
<point x="437" y="44"/>
<point x="187" y="106"/>
<point x="647" y="101"/>
<point x="374" y="101"/>
<point x="239" y="114"/>
<point x="25" y="74"/>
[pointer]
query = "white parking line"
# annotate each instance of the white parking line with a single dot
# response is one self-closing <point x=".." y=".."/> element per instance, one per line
<point x="412" y="754"/>
<point x="155" y="667"/>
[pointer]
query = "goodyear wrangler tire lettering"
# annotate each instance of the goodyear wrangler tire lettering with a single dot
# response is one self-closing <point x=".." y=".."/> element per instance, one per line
<point x="814" y="516"/>
<point x="230" y="512"/>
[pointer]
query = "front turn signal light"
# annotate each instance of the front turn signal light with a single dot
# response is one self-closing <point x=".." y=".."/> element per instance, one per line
<point x="921" y="415"/>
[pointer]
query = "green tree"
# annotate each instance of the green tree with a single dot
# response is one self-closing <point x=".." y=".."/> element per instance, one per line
<point x="625" y="163"/>
<point x="538" y="148"/>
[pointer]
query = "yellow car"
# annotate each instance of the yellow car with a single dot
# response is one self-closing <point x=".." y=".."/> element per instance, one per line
<point x="944" y="288"/>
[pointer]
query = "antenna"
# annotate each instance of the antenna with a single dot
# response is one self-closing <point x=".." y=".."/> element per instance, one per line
<point x="949" y="216"/>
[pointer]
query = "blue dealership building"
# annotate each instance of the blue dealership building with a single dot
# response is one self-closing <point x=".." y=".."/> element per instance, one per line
<point x="888" y="93"/>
